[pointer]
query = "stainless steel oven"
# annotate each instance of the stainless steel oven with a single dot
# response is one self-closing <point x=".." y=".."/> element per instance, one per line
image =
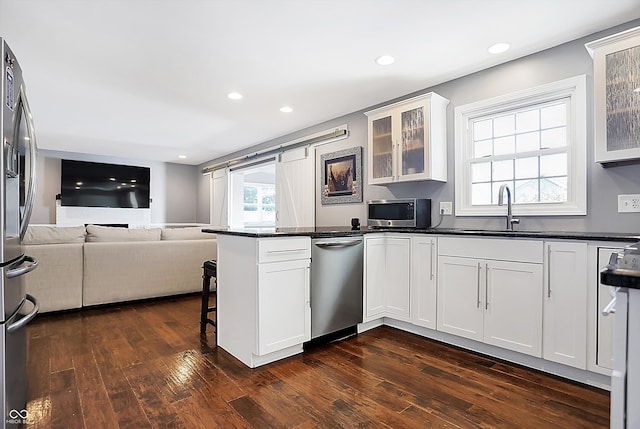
<point x="407" y="212"/>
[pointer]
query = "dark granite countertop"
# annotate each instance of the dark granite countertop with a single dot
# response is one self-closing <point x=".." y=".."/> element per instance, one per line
<point x="341" y="231"/>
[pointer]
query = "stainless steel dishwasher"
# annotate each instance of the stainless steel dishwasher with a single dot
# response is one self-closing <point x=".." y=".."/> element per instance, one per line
<point x="336" y="284"/>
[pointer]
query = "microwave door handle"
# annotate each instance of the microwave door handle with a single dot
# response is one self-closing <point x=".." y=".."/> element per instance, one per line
<point x="33" y="151"/>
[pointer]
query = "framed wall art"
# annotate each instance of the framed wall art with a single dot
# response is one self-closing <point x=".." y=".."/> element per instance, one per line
<point x="616" y="79"/>
<point x="341" y="180"/>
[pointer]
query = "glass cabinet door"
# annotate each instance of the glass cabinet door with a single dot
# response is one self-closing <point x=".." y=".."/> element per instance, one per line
<point x="382" y="148"/>
<point x="412" y="147"/>
<point x="407" y="141"/>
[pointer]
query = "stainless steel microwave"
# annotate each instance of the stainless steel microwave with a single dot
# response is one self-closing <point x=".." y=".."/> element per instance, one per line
<point x="406" y="213"/>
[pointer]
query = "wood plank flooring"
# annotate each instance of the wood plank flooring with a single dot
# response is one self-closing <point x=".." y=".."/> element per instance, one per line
<point x="145" y="365"/>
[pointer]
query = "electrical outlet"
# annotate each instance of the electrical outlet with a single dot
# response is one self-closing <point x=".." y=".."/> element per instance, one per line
<point x="629" y="203"/>
<point x="446" y="208"/>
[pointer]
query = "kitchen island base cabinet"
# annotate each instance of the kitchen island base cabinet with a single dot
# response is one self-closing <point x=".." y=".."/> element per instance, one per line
<point x="282" y="320"/>
<point x="264" y="312"/>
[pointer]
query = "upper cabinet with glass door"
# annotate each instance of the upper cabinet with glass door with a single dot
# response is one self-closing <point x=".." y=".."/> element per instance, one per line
<point x="407" y="141"/>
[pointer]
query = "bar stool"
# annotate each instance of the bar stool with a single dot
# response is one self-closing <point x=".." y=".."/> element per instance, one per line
<point x="210" y="269"/>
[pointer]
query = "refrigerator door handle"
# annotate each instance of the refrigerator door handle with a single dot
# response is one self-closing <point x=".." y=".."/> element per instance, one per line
<point x="20" y="270"/>
<point x="27" y="318"/>
<point x="33" y="151"/>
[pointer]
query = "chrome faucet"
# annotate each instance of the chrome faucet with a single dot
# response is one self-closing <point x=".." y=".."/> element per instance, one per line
<point x="510" y="219"/>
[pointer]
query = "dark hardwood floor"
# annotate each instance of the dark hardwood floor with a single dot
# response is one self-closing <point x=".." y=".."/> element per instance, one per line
<point x="145" y="365"/>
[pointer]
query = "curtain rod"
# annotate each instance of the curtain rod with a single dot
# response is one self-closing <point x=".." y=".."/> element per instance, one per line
<point x="340" y="132"/>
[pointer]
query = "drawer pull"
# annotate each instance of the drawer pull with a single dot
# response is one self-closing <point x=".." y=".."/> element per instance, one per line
<point x="287" y="250"/>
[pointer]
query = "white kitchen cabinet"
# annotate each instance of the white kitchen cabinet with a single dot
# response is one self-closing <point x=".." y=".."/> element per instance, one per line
<point x="264" y="311"/>
<point x="423" y="281"/>
<point x="565" y="303"/>
<point x="284" y="312"/>
<point x="513" y="306"/>
<point x="375" y="277"/>
<point x="387" y="277"/>
<point x="407" y="141"/>
<point x="605" y="324"/>
<point x="396" y="296"/>
<point x="460" y="309"/>
<point x="489" y="299"/>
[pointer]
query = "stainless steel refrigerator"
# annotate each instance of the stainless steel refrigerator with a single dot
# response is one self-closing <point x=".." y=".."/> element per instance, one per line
<point x="17" y="192"/>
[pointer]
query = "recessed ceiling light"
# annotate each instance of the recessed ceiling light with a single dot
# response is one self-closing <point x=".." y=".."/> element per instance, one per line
<point x="182" y="156"/>
<point x="498" y="48"/>
<point x="385" y="60"/>
<point x="234" y="96"/>
<point x="286" y="109"/>
<point x="79" y="183"/>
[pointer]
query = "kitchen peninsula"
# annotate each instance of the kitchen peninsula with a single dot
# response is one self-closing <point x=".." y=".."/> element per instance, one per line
<point x="264" y="312"/>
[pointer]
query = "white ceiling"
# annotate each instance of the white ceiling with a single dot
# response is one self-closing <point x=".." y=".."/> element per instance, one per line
<point x="149" y="79"/>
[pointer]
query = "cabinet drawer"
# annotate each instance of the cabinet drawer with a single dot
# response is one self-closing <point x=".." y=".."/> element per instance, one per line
<point x="492" y="248"/>
<point x="283" y="249"/>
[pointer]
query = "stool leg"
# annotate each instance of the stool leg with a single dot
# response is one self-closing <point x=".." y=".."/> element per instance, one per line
<point x="206" y="283"/>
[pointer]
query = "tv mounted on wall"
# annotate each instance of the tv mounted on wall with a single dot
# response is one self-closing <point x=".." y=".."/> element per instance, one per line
<point x="94" y="184"/>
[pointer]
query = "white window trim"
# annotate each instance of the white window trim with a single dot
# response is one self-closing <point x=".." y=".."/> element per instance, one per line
<point x="576" y="204"/>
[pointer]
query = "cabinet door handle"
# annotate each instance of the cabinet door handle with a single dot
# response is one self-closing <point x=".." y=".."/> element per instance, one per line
<point x="549" y="271"/>
<point x="307" y="288"/>
<point x="486" y="286"/>
<point x="478" y="304"/>
<point x="432" y="258"/>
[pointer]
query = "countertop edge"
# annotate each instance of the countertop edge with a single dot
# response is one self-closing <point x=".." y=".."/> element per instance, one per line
<point x="337" y="232"/>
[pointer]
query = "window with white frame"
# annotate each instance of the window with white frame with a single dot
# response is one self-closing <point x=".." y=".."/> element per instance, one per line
<point x="533" y="141"/>
<point x="259" y="206"/>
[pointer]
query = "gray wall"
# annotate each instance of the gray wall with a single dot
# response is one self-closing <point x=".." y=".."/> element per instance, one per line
<point x="173" y="187"/>
<point x="567" y="60"/>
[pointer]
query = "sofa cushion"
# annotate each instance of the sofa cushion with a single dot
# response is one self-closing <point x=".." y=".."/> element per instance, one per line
<point x="189" y="233"/>
<point x="51" y="234"/>
<point x="97" y="233"/>
<point x="57" y="283"/>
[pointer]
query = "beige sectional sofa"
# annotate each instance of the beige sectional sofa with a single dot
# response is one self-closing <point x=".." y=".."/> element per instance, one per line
<point x="81" y="266"/>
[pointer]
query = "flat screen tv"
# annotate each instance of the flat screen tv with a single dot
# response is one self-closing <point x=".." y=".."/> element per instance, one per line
<point x="94" y="184"/>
